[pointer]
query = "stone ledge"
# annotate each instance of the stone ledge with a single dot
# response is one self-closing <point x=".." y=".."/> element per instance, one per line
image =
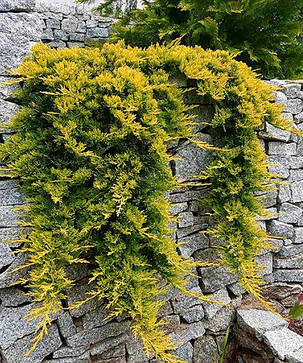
<point x="271" y="330"/>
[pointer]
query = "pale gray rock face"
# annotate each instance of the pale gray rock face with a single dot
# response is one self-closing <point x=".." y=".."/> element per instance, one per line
<point x="18" y="32"/>
<point x="17" y="5"/>
<point x="283" y="341"/>
<point x="281" y="229"/>
<point x="212" y="309"/>
<point x="194" y="159"/>
<point x="15" y="353"/>
<point x="259" y="321"/>
<point x="273" y="133"/>
<point x="14" y="325"/>
<point x="290" y="213"/>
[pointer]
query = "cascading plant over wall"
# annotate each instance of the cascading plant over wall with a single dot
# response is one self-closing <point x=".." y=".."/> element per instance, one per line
<point x="90" y="151"/>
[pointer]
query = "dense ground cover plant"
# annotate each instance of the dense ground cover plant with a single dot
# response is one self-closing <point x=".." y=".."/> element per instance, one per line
<point x="266" y="34"/>
<point x="91" y="154"/>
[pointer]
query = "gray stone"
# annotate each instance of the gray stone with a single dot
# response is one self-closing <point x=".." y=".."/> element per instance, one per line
<point x="6" y="90"/>
<point x="291" y="250"/>
<point x="81" y="27"/>
<point x="281" y="148"/>
<point x="266" y="261"/>
<point x="97" y="33"/>
<point x="221" y="321"/>
<point x="57" y="44"/>
<point x="75" y="45"/>
<point x="14" y="325"/>
<point x="269" y="198"/>
<point x="95" y="318"/>
<point x="9" y="234"/>
<point x="203" y="115"/>
<point x="7" y="111"/>
<point x="115" y="352"/>
<point x="17" y="32"/>
<point x="299" y="117"/>
<point x="8" y="217"/>
<point x="192" y="314"/>
<point x="47" y="35"/>
<point x="17" y="5"/>
<point x="6" y="256"/>
<point x="284" y="194"/>
<point x="135" y="351"/>
<point x="60" y="35"/>
<point x="69" y="25"/>
<point x="65" y="7"/>
<point x="193" y="243"/>
<point x="294" y="106"/>
<point x="185" y="352"/>
<point x="67" y="352"/>
<point x="236" y="289"/>
<point x="278" y="244"/>
<point x="281" y="229"/>
<point x="213" y="279"/>
<point x="295" y="175"/>
<point x="297" y="191"/>
<point x="186" y="219"/>
<point x="186" y="196"/>
<point x="187" y="332"/>
<point x="292" y="90"/>
<point x="193" y="159"/>
<point x="290" y="213"/>
<point x="280" y="165"/>
<point x="295" y="356"/>
<point x="11" y="197"/>
<point x="53" y="23"/>
<point x="13" y="297"/>
<point x="283" y="341"/>
<point x="288" y="116"/>
<point x="205" y="349"/>
<point x="66" y="325"/>
<point x="298" y="235"/>
<point x="273" y="133"/>
<point x="212" y="309"/>
<point x="87" y="337"/>
<point x="259" y="322"/>
<point x="188" y="231"/>
<point x="272" y="213"/>
<point x="92" y="23"/>
<point x="295" y="262"/>
<point x="78" y="293"/>
<point x="107" y="345"/>
<point x="296" y="162"/>
<point x="75" y="37"/>
<point x="15" y="353"/>
<point x="280" y="98"/>
<point x="288" y="275"/>
<point x="178" y="208"/>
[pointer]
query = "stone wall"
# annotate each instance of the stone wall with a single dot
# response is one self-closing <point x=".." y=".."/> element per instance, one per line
<point x="81" y="335"/>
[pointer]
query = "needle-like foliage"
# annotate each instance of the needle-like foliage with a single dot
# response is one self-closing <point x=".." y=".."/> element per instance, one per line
<point x="90" y="150"/>
<point x="265" y="34"/>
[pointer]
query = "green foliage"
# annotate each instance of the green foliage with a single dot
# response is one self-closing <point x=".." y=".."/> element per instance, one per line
<point x="296" y="311"/>
<point x="266" y="34"/>
<point x="91" y="154"/>
<point x="221" y="346"/>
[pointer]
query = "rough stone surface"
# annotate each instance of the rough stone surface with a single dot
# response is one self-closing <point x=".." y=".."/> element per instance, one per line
<point x="283" y="341"/>
<point x="259" y="321"/>
<point x="17" y="5"/>
<point x="196" y="159"/>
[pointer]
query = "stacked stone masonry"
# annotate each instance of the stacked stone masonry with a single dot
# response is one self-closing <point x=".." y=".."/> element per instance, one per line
<point x="82" y="335"/>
